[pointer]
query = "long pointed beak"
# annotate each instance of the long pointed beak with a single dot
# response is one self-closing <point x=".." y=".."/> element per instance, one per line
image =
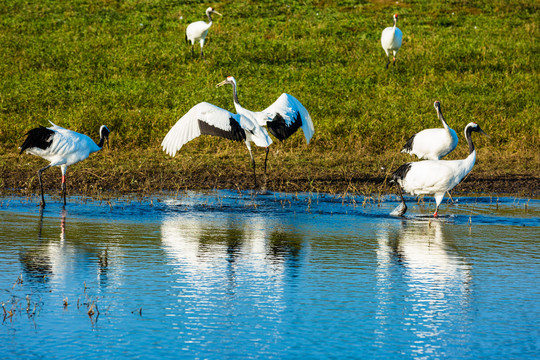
<point x="222" y="83"/>
<point x="215" y="12"/>
<point x="483" y="132"/>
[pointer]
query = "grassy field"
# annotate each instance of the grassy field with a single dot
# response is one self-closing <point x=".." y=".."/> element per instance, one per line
<point x="125" y="64"/>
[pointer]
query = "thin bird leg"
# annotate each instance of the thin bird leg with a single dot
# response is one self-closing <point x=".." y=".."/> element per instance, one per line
<point x="265" y="160"/>
<point x="42" y="204"/>
<point x="252" y="165"/>
<point x="64" y="184"/>
<point x="435" y="214"/>
<point x="394" y="62"/>
<point x="388" y="63"/>
<point x="401" y="209"/>
<point x="192" y="51"/>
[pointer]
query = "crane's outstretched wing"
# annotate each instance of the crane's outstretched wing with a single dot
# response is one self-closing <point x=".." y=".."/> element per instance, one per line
<point x="285" y="116"/>
<point x="203" y="119"/>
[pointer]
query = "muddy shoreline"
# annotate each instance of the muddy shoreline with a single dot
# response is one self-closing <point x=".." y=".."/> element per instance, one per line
<point x="25" y="183"/>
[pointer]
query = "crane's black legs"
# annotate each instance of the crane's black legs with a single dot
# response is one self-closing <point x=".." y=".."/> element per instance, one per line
<point x="254" y="174"/>
<point x="388" y="63"/>
<point x="393" y="62"/>
<point x="42" y="204"/>
<point x="402" y="208"/>
<point x="265" y="160"/>
<point x="64" y="188"/>
<point x="192" y="51"/>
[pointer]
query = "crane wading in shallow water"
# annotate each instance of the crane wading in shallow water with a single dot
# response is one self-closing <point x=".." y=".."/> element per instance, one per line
<point x="61" y="147"/>
<point x="282" y="118"/>
<point x="207" y="119"/>
<point x="391" y="41"/>
<point x="434" y="177"/>
<point x="198" y="30"/>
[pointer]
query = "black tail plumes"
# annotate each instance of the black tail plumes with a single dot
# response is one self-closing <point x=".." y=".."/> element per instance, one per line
<point x="409" y="144"/>
<point x="40" y="137"/>
<point x="400" y="173"/>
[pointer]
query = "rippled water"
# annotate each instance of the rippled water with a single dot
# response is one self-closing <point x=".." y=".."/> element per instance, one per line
<point x="240" y="275"/>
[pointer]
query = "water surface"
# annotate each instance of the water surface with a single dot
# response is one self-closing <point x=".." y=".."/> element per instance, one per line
<point x="241" y="275"/>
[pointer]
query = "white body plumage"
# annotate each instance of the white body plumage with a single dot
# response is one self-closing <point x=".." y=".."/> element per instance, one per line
<point x="432" y="144"/>
<point x="67" y="147"/>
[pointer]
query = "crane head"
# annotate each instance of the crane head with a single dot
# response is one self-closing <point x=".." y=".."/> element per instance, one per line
<point x="229" y="80"/>
<point x="104" y="133"/>
<point x="211" y="10"/>
<point x="437" y="104"/>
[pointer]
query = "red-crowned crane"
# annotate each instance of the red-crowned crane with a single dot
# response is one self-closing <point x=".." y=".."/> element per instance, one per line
<point x="207" y="119"/>
<point x="282" y="118"/>
<point x="61" y="147"/>
<point x="391" y="41"/>
<point x="198" y="30"/>
<point x="432" y="144"/>
<point x="434" y="177"/>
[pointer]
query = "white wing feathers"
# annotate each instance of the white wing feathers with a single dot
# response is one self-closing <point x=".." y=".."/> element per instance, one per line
<point x="289" y="108"/>
<point x="187" y="128"/>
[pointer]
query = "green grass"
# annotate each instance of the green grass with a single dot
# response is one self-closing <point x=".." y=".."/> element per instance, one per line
<point x="125" y="64"/>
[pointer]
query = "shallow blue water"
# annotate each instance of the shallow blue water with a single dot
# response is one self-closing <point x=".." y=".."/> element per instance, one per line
<point x="241" y="275"/>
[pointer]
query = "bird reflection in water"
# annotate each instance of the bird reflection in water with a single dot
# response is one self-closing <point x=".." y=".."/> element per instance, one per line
<point x="205" y="253"/>
<point x="36" y="261"/>
<point x="423" y="285"/>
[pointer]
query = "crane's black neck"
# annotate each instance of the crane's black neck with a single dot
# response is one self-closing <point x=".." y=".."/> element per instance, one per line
<point x="209" y="16"/>
<point x="103" y="135"/>
<point x="235" y="96"/>
<point x="101" y="141"/>
<point x="468" y="132"/>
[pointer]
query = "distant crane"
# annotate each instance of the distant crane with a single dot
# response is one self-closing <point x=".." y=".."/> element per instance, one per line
<point x="207" y="119"/>
<point x="434" y="176"/>
<point x="391" y="41"/>
<point x="432" y="144"/>
<point x="282" y="118"/>
<point x="61" y="147"/>
<point x="198" y="30"/>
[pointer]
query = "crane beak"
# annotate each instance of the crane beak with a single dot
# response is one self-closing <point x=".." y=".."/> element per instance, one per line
<point x="215" y="12"/>
<point x="222" y="83"/>
<point x="482" y="132"/>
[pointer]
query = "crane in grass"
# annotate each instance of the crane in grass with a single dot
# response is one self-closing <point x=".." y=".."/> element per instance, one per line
<point x="432" y="144"/>
<point x="207" y="119"/>
<point x="282" y="118"/>
<point x="61" y="147"/>
<point x="391" y="41"/>
<point x="198" y="30"/>
<point x="434" y="177"/>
